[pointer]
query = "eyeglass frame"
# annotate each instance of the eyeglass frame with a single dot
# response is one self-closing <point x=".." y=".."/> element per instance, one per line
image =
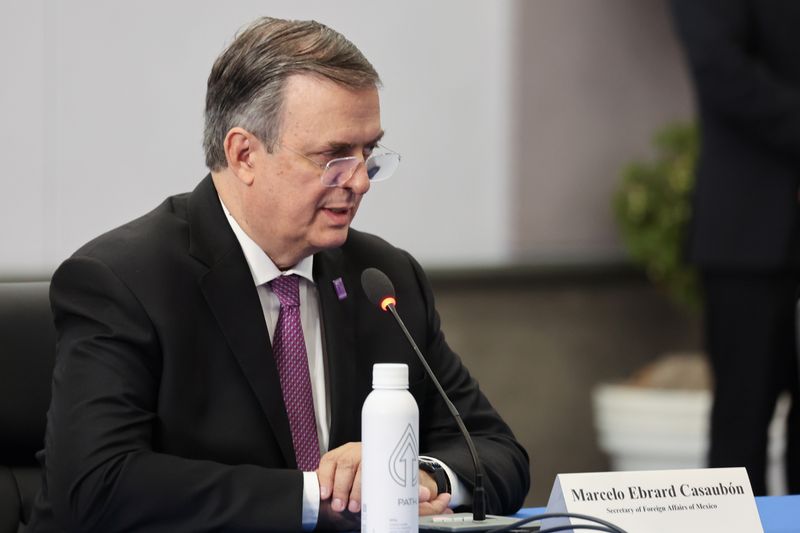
<point x="327" y="165"/>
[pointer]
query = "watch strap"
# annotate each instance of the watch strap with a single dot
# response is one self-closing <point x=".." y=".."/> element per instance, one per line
<point x="438" y="474"/>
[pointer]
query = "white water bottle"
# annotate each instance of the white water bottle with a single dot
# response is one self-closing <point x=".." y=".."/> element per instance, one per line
<point x="389" y="454"/>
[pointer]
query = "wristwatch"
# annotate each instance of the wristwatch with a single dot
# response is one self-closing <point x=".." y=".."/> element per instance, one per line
<point x="437" y="473"/>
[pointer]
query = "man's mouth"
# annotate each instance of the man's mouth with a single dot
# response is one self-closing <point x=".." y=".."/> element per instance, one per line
<point x="338" y="216"/>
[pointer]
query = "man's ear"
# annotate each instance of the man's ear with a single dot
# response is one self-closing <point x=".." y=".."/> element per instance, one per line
<point x="240" y="151"/>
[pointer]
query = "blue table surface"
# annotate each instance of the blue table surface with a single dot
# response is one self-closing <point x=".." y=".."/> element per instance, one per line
<point x="779" y="514"/>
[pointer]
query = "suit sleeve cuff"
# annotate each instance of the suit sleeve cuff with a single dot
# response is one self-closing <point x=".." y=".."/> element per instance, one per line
<point x="310" y="500"/>
<point x="460" y="494"/>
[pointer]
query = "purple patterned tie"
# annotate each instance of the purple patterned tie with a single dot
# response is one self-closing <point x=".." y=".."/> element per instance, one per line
<point x="289" y="347"/>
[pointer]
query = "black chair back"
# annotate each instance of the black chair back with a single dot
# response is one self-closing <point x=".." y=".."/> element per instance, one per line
<point x="27" y="352"/>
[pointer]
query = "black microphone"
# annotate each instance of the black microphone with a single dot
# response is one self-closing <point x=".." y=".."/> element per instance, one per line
<point x="380" y="291"/>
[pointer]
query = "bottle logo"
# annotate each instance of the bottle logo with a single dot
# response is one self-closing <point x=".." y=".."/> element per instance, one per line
<point x="403" y="461"/>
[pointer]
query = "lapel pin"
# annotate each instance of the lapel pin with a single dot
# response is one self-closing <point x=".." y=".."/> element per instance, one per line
<point x="341" y="292"/>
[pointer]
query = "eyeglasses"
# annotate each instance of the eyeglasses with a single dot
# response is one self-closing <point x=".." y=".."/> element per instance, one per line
<point x="380" y="166"/>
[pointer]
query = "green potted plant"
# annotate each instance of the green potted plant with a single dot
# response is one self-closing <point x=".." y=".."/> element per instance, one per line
<point x="652" y="209"/>
<point x="658" y="417"/>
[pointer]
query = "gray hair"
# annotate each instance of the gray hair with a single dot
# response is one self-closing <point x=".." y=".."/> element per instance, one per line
<point x="245" y="87"/>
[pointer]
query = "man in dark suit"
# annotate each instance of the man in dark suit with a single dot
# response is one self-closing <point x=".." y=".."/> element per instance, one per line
<point x="170" y="410"/>
<point x="745" y="233"/>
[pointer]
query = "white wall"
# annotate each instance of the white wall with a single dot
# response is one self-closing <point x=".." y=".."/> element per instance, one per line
<point x="101" y="117"/>
<point x="595" y="80"/>
<point x="513" y="117"/>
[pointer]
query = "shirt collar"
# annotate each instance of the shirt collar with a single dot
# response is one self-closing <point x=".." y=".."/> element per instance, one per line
<point x="261" y="266"/>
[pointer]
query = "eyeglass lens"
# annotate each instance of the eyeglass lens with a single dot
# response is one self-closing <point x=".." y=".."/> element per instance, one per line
<point x="379" y="167"/>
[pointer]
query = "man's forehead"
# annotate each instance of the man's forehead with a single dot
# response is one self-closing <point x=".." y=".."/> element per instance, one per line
<point x="336" y="115"/>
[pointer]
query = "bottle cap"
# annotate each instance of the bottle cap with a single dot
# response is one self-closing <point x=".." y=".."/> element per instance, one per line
<point x="390" y="376"/>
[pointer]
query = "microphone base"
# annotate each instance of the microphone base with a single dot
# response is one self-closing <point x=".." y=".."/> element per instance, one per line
<point x="464" y="522"/>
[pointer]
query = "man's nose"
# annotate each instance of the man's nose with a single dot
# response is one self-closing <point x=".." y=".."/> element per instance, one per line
<point x="359" y="181"/>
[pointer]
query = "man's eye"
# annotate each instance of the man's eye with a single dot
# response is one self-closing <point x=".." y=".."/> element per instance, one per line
<point x="368" y="150"/>
<point x="336" y="154"/>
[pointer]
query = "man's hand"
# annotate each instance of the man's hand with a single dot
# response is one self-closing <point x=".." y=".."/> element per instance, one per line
<point x="430" y="501"/>
<point x="339" y="475"/>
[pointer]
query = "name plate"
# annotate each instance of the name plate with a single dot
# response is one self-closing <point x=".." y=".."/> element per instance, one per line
<point x="689" y="501"/>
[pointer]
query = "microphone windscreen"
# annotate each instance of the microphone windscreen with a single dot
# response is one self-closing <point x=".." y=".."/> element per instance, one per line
<point x="377" y="285"/>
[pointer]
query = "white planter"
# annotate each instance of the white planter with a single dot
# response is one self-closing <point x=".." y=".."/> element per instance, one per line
<point x="643" y="428"/>
<point x="647" y="429"/>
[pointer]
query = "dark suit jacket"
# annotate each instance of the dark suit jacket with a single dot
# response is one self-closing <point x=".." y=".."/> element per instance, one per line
<point x="167" y="412"/>
<point x="746" y="66"/>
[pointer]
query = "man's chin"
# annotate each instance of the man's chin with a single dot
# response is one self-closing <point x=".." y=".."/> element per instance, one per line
<point x="332" y="238"/>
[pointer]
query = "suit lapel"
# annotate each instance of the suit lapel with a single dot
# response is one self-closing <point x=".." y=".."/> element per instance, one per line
<point x="233" y="299"/>
<point x="338" y="317"/>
